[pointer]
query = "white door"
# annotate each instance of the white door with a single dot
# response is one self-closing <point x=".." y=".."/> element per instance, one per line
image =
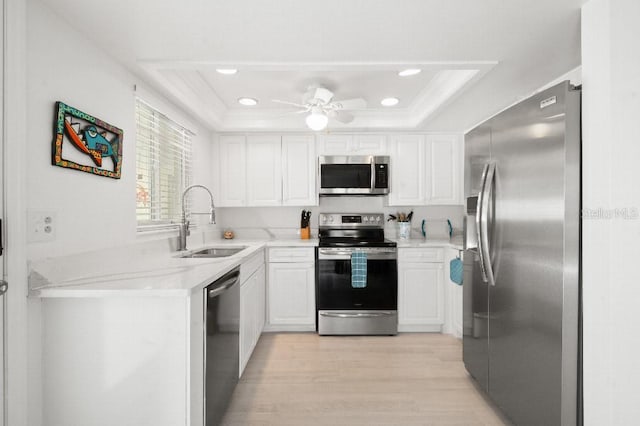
<point x="232" y="163"/>
<point x="420" y="294"/>
<point x="443" y="160"/>
<point x="264" y="170"/>
<point x="334" y="144"/>
<point x="291" y="294"/>
<point x="299" y="171"/>
<point x="369" y="145"/>
<point x="407" y="170"/>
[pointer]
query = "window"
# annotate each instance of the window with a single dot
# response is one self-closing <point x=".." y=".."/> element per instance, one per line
<point x="163" y="167"/>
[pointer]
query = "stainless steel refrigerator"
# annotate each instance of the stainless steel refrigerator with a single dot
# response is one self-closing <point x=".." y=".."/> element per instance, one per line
<point x="521" y="321"/>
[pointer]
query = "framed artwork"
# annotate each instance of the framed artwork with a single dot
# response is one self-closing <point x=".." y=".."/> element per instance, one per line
<point x="83" y="142"/>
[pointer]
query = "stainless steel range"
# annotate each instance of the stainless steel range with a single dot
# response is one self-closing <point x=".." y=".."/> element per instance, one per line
<point x="356" y="276"/>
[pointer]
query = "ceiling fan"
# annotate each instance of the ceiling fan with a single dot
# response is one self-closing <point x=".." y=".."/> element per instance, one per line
<point x="321" y="106"/>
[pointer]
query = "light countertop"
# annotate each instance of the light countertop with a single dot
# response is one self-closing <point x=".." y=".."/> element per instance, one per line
<point x="455" y="242"/>
<point x="155" y="271"/>
<point x="152" y="272"/>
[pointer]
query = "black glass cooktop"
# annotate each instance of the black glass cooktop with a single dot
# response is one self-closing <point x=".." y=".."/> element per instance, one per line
<point x="352" y="242"/>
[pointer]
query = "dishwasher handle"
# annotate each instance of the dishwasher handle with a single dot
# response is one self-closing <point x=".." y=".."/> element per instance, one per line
<point x="223" y="283"/>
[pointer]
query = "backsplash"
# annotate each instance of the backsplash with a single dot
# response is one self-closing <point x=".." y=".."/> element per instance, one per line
<point x="284" y="222"/>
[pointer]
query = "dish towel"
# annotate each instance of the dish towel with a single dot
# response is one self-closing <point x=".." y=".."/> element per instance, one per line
<point x="456" y="271"/>
<point x="358" y="269"/>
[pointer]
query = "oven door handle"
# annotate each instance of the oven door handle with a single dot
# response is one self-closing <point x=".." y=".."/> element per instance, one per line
<point x="347" y="256"/>
<point x="358" y="315"/>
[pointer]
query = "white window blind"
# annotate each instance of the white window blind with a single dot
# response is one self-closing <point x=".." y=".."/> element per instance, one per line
<point x="163" y="167"/>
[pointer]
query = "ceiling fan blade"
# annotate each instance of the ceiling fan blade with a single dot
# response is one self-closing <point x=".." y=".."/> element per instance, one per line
<point x="288" y="103"/>
<point x="290" y="113"/>
<point x="342" y="116"/>
<point x="356" y="103"/>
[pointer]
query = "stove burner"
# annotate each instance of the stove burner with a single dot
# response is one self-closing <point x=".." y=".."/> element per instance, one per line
<point x="352" y="230"/>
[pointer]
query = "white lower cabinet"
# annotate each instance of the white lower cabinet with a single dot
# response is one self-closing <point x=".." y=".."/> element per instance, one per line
<point x="421" y="304"/>
<point x="252" y="313"/>
<point x="123" y="360"/>
<point x="291" y="289"/>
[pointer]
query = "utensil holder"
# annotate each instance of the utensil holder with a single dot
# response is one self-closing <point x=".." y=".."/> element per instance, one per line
<point x="404" y="230"/>
<point x="305" y="233"/>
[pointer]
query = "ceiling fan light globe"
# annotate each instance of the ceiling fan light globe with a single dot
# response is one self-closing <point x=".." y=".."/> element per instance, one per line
<point x="317" y="121"/>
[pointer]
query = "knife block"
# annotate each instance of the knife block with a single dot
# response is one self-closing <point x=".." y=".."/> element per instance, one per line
<point x="305" y="233"/>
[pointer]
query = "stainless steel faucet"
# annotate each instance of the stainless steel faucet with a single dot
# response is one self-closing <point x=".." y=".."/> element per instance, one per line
<point x="184" y="226"/>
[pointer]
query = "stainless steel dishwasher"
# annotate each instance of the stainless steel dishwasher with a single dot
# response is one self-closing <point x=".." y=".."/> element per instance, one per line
<point x="222" y="342"/>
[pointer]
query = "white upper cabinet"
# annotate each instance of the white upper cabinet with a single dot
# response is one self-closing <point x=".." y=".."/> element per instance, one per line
<point x="370" y="144"/>
<point x="352" y="145"/>
<point x="232" y="171"/>
<point x="443" y="165"/>
<point x="299" y="171"/>
<point x="407" y="170"/>
<point x="276" y="170"/>
<point x="264" y="170"/>
<point x="425" y="170"/>
<point x="334" y="144"/>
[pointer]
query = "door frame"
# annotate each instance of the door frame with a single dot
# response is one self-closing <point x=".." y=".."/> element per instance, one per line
<point x="14" y="209"/>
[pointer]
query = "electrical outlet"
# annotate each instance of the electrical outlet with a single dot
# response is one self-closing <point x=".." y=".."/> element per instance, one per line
<point x="41" y="226"/>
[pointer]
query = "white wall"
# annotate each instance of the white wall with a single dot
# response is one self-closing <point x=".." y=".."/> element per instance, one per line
<point x="63" y="65"/>
<point x="611" y="151"/>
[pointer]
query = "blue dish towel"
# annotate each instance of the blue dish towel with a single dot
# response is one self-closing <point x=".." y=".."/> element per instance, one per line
<point x="358" y="269"/>
<point x="456" y="271"/>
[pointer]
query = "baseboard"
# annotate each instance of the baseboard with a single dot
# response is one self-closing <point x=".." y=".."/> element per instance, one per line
<point x="420" y="328"/>
<point x="274" y="328"/>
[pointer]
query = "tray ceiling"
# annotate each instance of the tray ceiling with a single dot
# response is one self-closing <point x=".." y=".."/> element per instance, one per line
<point x="477" y="56"/>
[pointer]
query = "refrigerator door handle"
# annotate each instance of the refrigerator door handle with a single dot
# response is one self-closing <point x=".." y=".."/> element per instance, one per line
<point x="479" y="216"/>
<point x="487" y="198"/>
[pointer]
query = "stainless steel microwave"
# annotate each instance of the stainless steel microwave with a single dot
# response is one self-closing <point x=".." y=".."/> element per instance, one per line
<point x="353" y="175"/>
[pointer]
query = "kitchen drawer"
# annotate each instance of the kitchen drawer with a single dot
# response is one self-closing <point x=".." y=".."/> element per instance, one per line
<point x="291" y="254"/>
<point x="406" y="255"/>
<point x="249" y="266"/>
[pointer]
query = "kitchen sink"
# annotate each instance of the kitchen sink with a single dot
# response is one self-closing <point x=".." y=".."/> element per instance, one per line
<point x="215" y="252"/>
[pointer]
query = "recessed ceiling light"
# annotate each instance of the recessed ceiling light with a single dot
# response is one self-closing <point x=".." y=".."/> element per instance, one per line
<point x="248" y="101"/>
<point x="409" y="71"/>
<point x="227" y="71"/>
<point x="390" y="101"/>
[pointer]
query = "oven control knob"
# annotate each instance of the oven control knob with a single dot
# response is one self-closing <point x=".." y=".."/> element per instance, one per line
<point x="365" y="219"/>
<point x="371" y="219"/>
<point x="330" y="219"/>
<point x="377" y="218"/>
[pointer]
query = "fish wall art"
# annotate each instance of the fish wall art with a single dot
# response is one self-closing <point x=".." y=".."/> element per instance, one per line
<point x="83" y="142"/>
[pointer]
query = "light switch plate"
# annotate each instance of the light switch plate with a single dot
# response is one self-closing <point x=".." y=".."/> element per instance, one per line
<point x="41" y="225"/>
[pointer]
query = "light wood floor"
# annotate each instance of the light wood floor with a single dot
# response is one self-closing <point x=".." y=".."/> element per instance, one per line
<point x="409" y="379"/>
